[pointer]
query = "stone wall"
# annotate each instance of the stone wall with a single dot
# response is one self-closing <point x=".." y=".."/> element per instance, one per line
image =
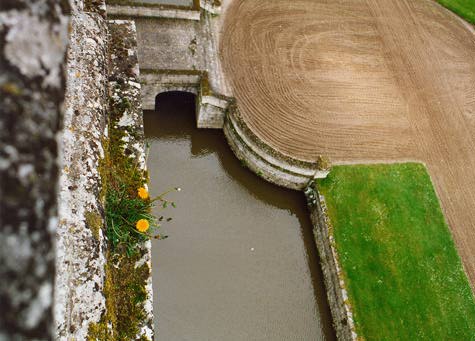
<point x="155" y="82"/>
<point x="334" y="280"/>
<point x="211" y="110"/>
<point x="81" y="245"/>
<point x="32" y="90"/>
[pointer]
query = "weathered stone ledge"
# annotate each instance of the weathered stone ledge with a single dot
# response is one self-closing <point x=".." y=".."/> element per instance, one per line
<point x="81" y="246"/>
<point x="128" y="8"/>
<point x="152" y="12"/>
<point x="82" y="250"/>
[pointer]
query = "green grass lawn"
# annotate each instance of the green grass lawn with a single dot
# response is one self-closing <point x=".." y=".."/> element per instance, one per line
<point x="403" y="274"/>
<point x="464" y="8"/>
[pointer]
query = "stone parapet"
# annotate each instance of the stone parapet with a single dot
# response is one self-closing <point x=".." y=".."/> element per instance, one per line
<point x="81" y="244"/>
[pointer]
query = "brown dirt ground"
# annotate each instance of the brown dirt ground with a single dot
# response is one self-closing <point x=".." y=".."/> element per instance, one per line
<point x="362" y="81"/>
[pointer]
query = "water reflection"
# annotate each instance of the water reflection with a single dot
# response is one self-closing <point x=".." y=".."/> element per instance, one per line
<point x="240" y="263"/>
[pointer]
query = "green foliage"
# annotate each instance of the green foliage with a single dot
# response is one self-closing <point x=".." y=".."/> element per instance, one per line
<point x="123" y="177"/>
<point x="122" y="213"/>
<point x="404" y="277"/>
<point x="125" y="282"/>
<point x="464" y="8"/>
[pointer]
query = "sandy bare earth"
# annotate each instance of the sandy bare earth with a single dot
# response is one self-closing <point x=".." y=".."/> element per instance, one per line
<point x="362" y="81"/>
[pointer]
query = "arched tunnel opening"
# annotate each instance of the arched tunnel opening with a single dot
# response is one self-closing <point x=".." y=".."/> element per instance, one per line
<point x="240" y="262"/>
<point x="174" y="111"/>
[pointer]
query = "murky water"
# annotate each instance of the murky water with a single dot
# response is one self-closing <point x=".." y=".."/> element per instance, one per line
<point x="167" y="2"/>
<point x="240" y="262"/>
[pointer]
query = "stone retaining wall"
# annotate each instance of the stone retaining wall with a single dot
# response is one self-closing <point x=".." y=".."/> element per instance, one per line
<point x="334" y="280"/>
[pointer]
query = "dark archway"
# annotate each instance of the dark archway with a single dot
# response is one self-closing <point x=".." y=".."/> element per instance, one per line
<point x="181" y="105"/>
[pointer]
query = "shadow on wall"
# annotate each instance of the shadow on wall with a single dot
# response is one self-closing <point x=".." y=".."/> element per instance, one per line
<point x="161" y="123"/>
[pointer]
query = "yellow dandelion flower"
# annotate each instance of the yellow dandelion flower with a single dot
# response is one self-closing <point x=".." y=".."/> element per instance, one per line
<point x="143" y="193"/>
<point x="142" y="225"/>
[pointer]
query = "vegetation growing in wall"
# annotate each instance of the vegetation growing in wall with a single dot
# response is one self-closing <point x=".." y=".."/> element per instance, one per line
<point x="124" y="286"/>
<point x="464" y="8"/>
<point x="129" y="224"/>
<point x="124" y="206"/>
<point x="125" y="294"/>
<point x="404" y="277"/>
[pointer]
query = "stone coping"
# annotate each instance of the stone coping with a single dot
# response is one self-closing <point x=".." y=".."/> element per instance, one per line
<point x="80" y="241"/>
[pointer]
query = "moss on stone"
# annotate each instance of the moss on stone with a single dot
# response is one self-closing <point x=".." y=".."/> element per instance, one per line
<point x="125" y="293"/>
<point x="94" y="222"/>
